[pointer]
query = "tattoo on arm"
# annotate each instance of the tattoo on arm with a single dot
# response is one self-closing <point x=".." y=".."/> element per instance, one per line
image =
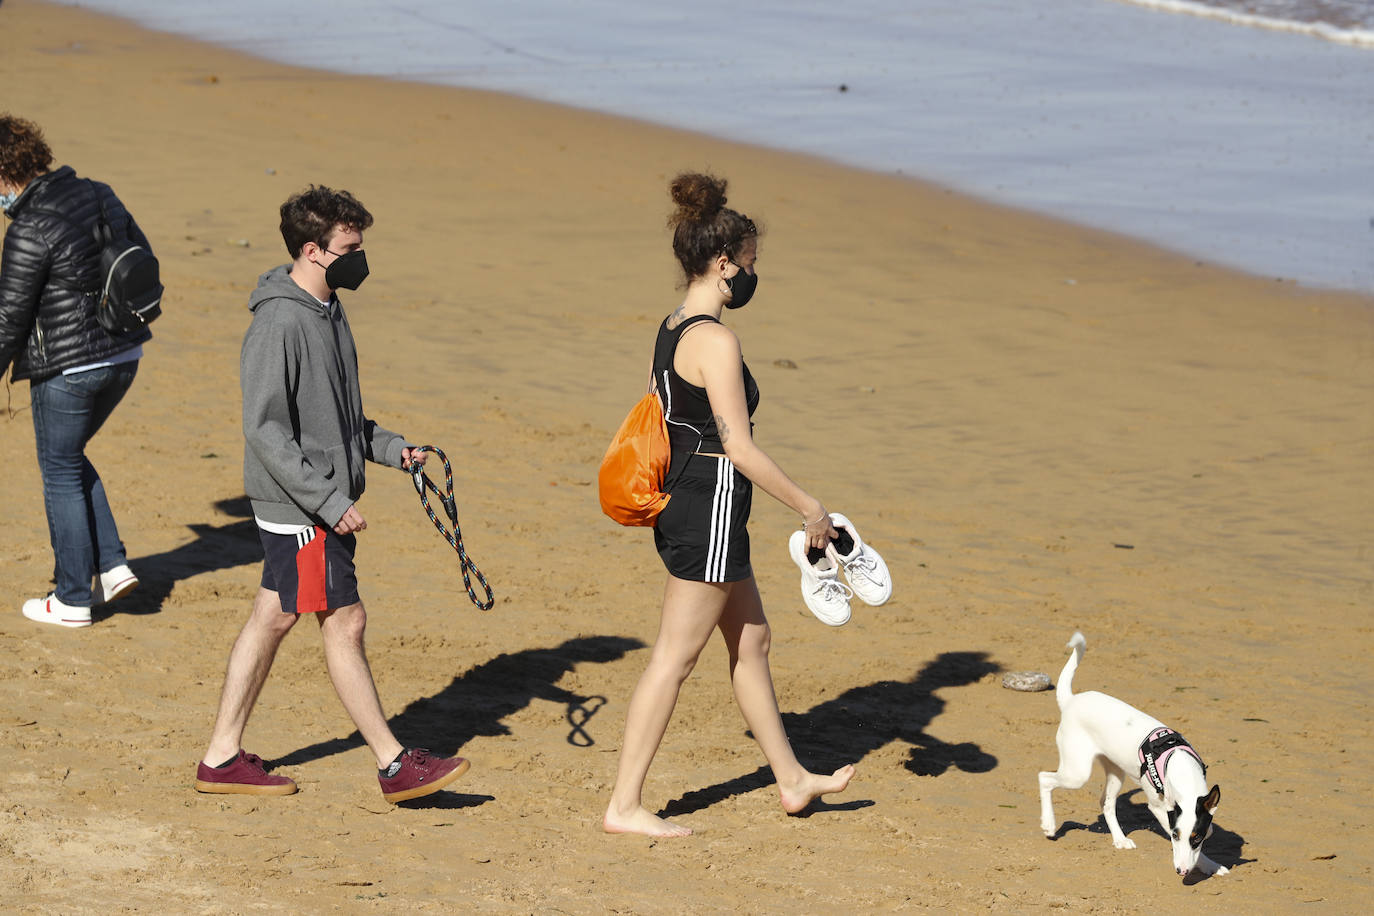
<point x="722" y="429"/>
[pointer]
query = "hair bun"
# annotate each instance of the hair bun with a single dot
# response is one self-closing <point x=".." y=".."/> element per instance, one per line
<point x="698" y="197"/>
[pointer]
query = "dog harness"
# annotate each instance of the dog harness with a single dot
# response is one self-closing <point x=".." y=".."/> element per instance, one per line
<point x="1155" y="751"/>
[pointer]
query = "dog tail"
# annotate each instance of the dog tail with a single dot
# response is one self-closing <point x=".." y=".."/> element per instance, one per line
<point x="1063" y="690"/>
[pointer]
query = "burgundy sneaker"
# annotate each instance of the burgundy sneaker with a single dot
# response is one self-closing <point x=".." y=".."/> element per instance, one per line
<point x="416" y="773"/>
<point x="245" y="776"/>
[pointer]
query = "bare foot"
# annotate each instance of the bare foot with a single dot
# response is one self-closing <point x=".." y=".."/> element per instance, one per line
<point x="641" y="820"/>
<point x="812" y="786"/>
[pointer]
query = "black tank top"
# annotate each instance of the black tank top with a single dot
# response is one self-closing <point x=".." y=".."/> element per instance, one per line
<point x="691" y="425"/>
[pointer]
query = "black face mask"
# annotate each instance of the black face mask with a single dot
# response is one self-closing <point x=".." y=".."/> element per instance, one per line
<point x="347" y="271"/>
<point x="741" y="287"/>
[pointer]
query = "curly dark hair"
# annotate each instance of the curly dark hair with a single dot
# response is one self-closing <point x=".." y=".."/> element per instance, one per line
<point x="703" y="227"/>
<point x="313" y="214"/>
<point x="24" y="154"/>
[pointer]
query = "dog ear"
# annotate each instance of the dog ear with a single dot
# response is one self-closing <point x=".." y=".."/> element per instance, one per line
<point x="1212" y="800"/>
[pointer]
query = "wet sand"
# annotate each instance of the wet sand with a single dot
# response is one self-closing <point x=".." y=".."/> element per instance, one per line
<point x="1041" y="427"/>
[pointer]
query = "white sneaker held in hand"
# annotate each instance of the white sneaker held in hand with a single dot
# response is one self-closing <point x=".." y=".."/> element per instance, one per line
<point x="863" y="568"/>
<point x="50" y="610"/>
<point x="825" y="595"/>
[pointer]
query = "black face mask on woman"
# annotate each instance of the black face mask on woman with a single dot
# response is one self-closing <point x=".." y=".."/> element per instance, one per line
<point x="347" y="271"/>
<point x="741" y="287"/>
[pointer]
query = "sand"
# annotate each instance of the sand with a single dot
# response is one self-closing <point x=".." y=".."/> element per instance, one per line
<point x="1041" y="427"/>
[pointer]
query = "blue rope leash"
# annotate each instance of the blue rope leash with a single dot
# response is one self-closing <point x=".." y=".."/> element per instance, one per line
<point x="454" y="536"/>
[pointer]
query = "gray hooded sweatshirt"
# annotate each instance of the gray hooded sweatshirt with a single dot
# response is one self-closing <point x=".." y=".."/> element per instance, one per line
<point x="303" y="418"/>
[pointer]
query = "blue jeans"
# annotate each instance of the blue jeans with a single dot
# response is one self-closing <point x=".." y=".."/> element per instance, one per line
<point x="67" y="412"/>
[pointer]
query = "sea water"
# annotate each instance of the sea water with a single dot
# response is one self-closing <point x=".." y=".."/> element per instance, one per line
<point x="1238" y="131"/>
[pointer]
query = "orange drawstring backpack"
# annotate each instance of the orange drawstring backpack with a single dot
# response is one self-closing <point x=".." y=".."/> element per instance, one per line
<point x="631" y="477"/>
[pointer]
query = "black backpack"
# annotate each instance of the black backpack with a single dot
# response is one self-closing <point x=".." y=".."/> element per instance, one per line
<point x="131" y="289"/>
<point x="131" y="296"/>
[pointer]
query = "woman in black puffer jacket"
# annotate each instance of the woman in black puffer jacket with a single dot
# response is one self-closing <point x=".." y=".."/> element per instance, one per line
<point x="49" y="280"/>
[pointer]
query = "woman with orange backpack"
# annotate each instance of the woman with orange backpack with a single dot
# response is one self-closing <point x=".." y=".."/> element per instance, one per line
<point x="708" y="396"/>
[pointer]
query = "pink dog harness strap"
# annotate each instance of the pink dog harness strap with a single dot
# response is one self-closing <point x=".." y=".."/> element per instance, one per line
<point x="1155" y="751"/>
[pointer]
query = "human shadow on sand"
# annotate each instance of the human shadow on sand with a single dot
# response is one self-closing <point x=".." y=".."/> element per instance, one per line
<point x="214" y="547"/>
<point x="477" y="701"/>
<point x="1223" y="846"/>
<point x="862" y="720"/>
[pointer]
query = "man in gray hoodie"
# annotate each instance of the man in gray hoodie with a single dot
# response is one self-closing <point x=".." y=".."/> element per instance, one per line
<point x="306" y="441"/>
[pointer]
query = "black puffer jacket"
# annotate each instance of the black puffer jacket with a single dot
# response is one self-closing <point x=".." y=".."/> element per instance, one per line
<point x="50" y="277"/>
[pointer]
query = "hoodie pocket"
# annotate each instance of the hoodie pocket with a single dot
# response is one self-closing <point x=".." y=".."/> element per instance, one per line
<point x="336" y="457"/>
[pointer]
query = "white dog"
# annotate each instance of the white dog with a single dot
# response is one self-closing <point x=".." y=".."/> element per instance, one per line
<point x="1137" y="748"/>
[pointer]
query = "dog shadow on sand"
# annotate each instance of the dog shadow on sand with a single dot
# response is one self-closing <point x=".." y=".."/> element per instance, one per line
<point x="1223" y="846"/>
<point x="214" y="547"/>
<point x="862" y="720"/>
<point x="475" y="703"/>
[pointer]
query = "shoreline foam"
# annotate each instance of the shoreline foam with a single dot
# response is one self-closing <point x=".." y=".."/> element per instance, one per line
<point x="1346" y="35"/>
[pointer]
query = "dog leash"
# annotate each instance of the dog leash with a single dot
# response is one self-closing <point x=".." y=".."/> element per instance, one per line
<point x="455" y="535"/>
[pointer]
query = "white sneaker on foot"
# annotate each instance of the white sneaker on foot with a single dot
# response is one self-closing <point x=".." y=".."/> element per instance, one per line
<point x="50" y="610"/>
<point x="863" y="567"/>
<point x="824" y="594"/>
<point x="116" y="583"/>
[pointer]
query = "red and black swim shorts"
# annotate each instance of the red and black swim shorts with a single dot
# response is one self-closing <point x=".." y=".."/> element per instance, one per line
<point x="312" y="571"/>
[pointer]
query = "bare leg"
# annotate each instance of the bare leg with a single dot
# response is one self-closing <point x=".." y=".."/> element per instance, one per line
<point x="690" y="612"/>
<point x="342" y="630"/>
<point x="249" y="662"/>
<point x="748" y="637"/>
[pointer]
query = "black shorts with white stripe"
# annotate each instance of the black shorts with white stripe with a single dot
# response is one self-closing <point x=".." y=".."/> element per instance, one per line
<point x="701" y="534"/>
